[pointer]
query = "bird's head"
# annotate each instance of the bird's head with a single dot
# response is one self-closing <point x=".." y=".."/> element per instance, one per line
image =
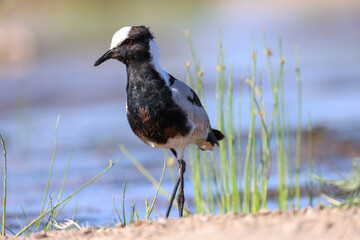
<point x="129" y="44"/>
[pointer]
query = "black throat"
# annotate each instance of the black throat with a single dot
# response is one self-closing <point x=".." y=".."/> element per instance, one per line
<point x="142" y="74"/>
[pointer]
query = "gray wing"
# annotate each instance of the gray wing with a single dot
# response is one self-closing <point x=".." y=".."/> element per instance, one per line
<point x="187" y="99"/>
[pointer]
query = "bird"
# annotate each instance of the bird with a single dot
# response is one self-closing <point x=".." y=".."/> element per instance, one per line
<point x="162" y="111"/>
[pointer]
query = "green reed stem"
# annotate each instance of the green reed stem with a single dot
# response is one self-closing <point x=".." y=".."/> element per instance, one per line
<point x="220" y="199"/>
<point x="149" y="210"/>
<point x="298" y="135"/>
<point x="311" y="161"/>
<point x="255" y="200"/>
<point x="265" y="148"/>
<point x="198" y="200"/>
<point x="27" y="233"/>
<point x="239" y="152"/>
<point x="5" y="184"/>
<point x="74" y="212"/>
<point x="291" y="168"/>
<point x="274" y="87"/>
<point x="116" y="211"/>
<point x="231" y="143"/>
<point x="123" y="201"/>
<point x="64" y="180"/>
<point x="50" y="173"/>
<point x="220" y="97"/>
<point x="280" y="133"/>
<point x="208" y="179"/>
<point x="247" y="176"/>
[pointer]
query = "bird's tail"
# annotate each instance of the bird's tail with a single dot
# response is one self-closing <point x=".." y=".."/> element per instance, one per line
<point x="218" y="135"/>
<point x="212" y="140"/>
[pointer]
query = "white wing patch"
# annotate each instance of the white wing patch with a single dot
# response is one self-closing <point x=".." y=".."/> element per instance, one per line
<point x="120" y="36"/>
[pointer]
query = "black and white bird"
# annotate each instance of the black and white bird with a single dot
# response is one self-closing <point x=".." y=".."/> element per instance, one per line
<point x="162" y="111"/>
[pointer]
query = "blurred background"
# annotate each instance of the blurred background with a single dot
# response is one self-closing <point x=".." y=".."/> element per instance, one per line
<point x="47" y="52"/>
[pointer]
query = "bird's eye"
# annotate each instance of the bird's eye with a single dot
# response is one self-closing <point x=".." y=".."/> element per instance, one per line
<point x="128" y="42"/>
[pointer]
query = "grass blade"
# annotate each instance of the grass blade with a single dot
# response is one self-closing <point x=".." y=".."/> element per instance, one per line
<point x="5" y="183"/>
<point x="298" y="134"/>
<point x="67" y="198"/>
<point x="123" y="201"/>
<point x="116" y="211"/>
<point x="50" y="173"/>
<point x="311" y="162"/>
<point x="148" y="212"/>
<point x="144" y="171"/>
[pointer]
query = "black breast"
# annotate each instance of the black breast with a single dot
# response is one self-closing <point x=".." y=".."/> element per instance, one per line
<point x="152" y="113"/>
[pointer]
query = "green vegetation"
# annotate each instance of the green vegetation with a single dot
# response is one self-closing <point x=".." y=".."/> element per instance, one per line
<point x="229" y="187"/>
<point x="149" y="205"/>
<point x="49" y="209"/>
<point x="348" y="185"/>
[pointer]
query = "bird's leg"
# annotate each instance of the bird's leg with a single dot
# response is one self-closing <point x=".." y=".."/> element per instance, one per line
<point x="172" y="197"/>
<point x="181" y="198"/>
<point x="175" y="188"/>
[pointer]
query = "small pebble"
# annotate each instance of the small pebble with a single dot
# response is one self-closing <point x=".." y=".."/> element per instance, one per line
<point x="118" y="225"/>
<point x="329" y="225"/>
<point x="264" y="211"/>
<point x="204" y="218"/>
<point x="138" y="223"/>
<point x="85" y="231"/>
<point x="40" y="235"/>
<point x="319" y="207"/>
<point x="162" y="222"/>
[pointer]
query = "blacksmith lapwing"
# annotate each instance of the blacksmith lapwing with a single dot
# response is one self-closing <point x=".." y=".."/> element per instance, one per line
<point x="162" y="111"/>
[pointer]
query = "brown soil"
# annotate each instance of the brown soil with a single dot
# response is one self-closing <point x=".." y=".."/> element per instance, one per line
<point x="307" y="223"/>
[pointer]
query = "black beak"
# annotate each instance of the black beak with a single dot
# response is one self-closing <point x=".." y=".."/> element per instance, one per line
<point x="103" y="58"/>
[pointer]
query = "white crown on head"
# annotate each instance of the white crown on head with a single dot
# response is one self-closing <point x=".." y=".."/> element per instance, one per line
<point x="120" y="36"/>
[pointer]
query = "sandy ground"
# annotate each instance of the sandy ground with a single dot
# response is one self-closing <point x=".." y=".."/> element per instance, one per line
<point x="307" y="223"/>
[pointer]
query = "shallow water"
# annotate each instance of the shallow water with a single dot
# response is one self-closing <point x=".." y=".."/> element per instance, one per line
<point x="93" y="126"/>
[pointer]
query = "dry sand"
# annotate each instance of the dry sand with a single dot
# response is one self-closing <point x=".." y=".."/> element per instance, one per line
<point x="307" y="223"/>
